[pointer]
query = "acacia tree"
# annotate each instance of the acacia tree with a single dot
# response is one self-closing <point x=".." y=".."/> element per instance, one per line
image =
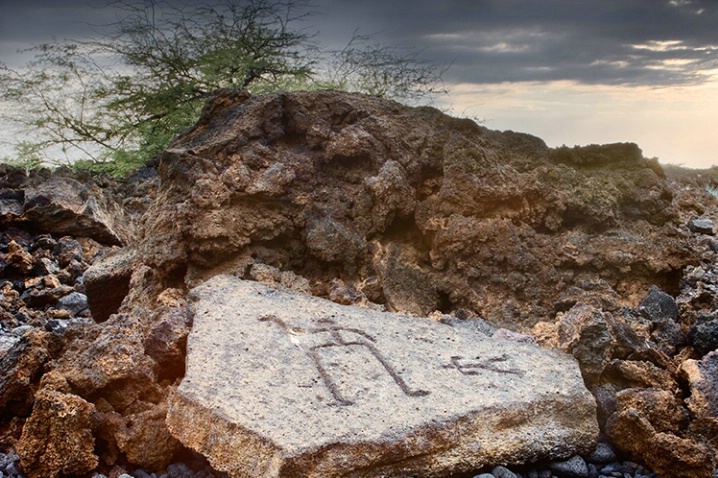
<point x="119" y="99"/>
<point x="366" y="66"/>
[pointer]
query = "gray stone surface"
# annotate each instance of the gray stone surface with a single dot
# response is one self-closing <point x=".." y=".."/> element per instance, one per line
<point x="502" y="472"/>
<point x="74" y="302"/>
<point x="701" y="225"/>
<point x="574" y="467"/>
<point x="602" y="454"/>
<point x="281" y="384"/>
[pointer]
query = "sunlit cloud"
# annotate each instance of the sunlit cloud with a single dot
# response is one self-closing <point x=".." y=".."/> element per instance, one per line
<point x="662" y="46"/>
<point x="679" y="3"/>
<point x="493" y="41"/>
<point x="687" y="4"/>
<point x="673" y="64"/>
<point x="613" y="64"/>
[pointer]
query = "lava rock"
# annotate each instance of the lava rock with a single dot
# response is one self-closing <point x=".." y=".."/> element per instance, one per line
<point x="408" y="196"/>
<point x="702" y="378"/>
<point x="661" y="309"/>
<point x="38" y="298"/>
<point x="21" y="368"/>
<point x="145" y="440"/>
<point x="658" y="306"/>
<point x="704" y="333"/>
<point x="585" y="333"/>
<point x="107" y="283"/>
<point x="632" y="430"/>
<point x="701" y="225"/>
<point x="62" y="205"/>
<point x="502" y="472"/>
<point x="166" y="340"/>
<point x="17" y="260"/>
<point x="57" y="326"/>
<point x="114" y="355"/>
<point x="57" y="438"/>
<point x="574" y="467"/>
<point x="602" y="454"/>
<point x="68" y="250"/>
<point x="73" y="302"/>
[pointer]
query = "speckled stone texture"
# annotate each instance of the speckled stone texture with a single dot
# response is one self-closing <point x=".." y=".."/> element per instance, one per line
<point x="281" y="384"/>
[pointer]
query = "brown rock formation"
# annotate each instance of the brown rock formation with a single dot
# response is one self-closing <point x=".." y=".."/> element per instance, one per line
<point x="22" y="368"/>
<point x="702" y="377"/>
<point x="145" y="440"/>
<point x="439" y="212"/>
<point x="57" y="439"/>
<point x="62" y="205"/>
<point x="648" y="424"/>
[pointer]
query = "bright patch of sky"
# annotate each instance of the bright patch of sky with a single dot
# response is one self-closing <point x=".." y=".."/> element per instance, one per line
<point x="671" y="123"/>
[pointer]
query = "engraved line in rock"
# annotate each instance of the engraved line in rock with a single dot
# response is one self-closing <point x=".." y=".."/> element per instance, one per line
<point x="365" y="340"/>
<point x="470" y="366"/>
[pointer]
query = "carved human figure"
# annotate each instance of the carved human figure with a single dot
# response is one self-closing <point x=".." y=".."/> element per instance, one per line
<point x="331" y="335"/>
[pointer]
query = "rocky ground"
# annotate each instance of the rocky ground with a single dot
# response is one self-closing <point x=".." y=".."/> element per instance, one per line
<point x="591" y="250"/>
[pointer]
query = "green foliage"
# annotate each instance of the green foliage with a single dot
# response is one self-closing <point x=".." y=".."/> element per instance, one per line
<point x="26" y="156"/>
<point x="119" y="100"/>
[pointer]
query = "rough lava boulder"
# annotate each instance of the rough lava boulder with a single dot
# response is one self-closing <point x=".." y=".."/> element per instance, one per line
<point x="60" y="204"/>
<point x="416" y="210"/>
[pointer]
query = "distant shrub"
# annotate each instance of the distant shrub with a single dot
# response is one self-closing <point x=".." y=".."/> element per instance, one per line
<point x="595" y="155"/>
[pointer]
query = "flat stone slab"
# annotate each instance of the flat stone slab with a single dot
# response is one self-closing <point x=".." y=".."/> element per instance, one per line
<point x="281" y="384"/>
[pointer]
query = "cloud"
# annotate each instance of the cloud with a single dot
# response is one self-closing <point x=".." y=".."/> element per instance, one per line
<point x="593" y="42"/>
<point x="24" y="24"/>
<point x="613" y="42"/>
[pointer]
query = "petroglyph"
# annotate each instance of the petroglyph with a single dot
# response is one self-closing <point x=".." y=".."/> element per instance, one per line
<point x="476" y="365"/>
<point x="296" y="386"/>
<point x="343" y="337"/>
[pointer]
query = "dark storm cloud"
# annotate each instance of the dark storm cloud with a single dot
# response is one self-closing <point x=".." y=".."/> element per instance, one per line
<point x="25" y="23"/>
<point x="636" y="42"/>
<point x="37" y="20"/>
<point x="653" y="42"/>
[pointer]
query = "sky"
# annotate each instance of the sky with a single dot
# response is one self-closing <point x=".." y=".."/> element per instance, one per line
<point x="572" y="72"/>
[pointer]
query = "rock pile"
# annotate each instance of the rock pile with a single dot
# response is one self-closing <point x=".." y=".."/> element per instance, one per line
<point x="42" y="283"/>
<point x="364" y="202"/>
<point x="649" y="368"/>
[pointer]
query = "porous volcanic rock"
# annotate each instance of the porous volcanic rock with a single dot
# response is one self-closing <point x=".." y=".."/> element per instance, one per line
<point x="438" y="213"/>
<point x="109" y="356"/>
<point x="62" y="205"/>
<point x="107" y="283"/>
<point x="595" y="338"/>
<point x="281" y="384"/>
<point x="647" y="424"/>
<point x="22" y="367"/>
<point x="57" y="439"/>
<point x="145" y="440"/>
<point x="702" y="377"/>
